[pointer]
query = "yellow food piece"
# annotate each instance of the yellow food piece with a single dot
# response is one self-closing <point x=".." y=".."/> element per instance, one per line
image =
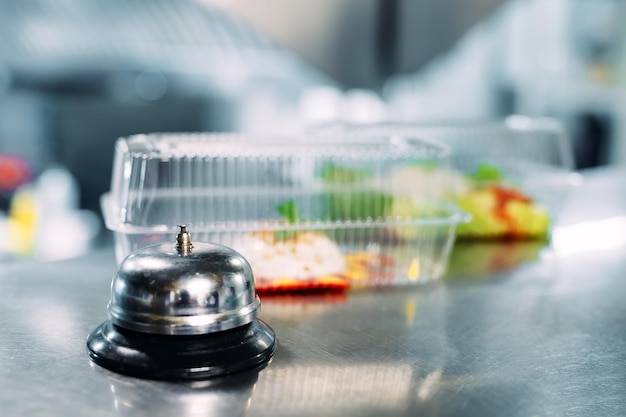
<point x="414" y="269"/>
<point x="480" y="203"/>
<point x="533" y="220"/>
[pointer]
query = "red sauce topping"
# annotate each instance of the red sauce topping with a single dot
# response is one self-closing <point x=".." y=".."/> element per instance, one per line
<point x="504" y="195"/>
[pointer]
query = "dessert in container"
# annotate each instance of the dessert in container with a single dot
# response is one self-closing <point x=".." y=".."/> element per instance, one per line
<point x="316" y="212"/>
<point x="511" y="176"/>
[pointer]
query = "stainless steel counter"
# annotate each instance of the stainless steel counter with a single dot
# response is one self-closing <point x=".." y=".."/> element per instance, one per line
<point x="514" y="330"/>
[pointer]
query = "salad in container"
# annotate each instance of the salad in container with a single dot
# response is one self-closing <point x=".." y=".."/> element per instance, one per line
<point x="317" y="213"/>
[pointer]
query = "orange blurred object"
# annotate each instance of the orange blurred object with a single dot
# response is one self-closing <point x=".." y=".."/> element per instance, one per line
<point x="14" y="172"/>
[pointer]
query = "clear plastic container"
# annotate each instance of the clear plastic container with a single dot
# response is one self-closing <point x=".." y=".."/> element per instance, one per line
<point x="522" y="161"/>
<point x="316" y="212"/>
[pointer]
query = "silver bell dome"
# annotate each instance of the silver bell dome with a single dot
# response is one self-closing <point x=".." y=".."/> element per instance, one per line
<point x="183" y="288"/>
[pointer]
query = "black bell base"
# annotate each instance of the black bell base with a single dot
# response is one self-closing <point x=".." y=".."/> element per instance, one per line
<point x="181" y="358"/>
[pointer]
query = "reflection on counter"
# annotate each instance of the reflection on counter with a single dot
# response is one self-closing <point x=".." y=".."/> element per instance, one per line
<point x="218" y="397"/>
<point x="590" y="236"/>
<point x="320" y="389"/>
<point x="485" y="260"/>
<point x="351" y="377"/>
<point x="312" y="390"/>
<point x="299" y="307"/>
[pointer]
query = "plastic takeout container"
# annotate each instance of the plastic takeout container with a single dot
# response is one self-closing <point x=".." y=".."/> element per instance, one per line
<point x="317" y="212"/>
<point x="525" y="157"/>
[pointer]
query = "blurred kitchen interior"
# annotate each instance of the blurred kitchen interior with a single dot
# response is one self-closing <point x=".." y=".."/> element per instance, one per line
<point x="77" y="74"/>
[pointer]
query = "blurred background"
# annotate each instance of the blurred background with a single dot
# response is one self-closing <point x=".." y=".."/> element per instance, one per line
<point x="77" y="74"/>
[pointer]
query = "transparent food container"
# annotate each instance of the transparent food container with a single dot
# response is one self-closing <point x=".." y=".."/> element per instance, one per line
<point x="511" y="176"/>
<point x="309" y="213"/>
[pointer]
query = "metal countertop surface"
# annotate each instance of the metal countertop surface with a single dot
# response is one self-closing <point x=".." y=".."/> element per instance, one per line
<point x="515" y="329"/>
